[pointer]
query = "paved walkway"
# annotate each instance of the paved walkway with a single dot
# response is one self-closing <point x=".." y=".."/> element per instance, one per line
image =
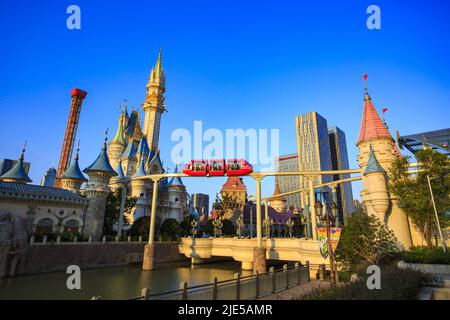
<point x="297" y="291"/>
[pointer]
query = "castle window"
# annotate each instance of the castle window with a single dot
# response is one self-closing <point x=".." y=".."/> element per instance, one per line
<point x="44" y="227"/>
<point x="71" y="227"/>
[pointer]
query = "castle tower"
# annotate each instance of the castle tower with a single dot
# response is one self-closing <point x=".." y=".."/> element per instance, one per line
<point x="97" y="189"/>
<point x="278" y="202"/>
<point x="17" y="173"/>
<point x="120" y="180"/>
<point x="376" y="186"/>
<point x="374" y="138"/>
<point x="142" y="152"/>
<point x="154" y="104"/>
<point x="72" y="178"/>
<point x="138" y="190"/>
<point x="118" y="143"/>
<point x="177" y="196"/>
<point x="129" y="159"/>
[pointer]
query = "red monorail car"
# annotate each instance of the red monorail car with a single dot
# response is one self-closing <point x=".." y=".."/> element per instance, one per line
<point x="220" y="167"/>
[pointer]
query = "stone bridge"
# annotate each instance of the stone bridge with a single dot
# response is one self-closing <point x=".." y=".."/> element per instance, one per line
<point x="284" y="249"/>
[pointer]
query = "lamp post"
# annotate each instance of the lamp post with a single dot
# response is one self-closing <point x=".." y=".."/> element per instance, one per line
<point x="239" y="224"/>
<point x="328" y="219"/>
<point x="334" y="211"/>
<point x="444" y="247"/>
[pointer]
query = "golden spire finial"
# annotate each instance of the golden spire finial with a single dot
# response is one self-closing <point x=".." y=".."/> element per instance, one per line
<point x="366" y="92"/>
<point x="78" y="149"/>
<point x="23" y="150"/>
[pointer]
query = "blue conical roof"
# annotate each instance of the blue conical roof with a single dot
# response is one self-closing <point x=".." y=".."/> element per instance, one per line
<point x="140" y="172"/>
<point x="119" y="171"/>
<point x="176" y="181"/>
<point x="17" y="172"/>
<point x="73" y="171"/>
<point x="143" y="147"/>
<point x="101" y="163"/>
<point x="130" y="151"/>
<point x="372" y="164"/>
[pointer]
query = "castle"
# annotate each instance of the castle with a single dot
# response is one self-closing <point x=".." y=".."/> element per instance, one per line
<point x="79" y="206"/>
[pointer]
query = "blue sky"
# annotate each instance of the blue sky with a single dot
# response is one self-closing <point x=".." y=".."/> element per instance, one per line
<point x="265" y="61"/>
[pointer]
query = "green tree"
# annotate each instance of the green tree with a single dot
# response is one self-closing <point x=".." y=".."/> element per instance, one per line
<point x="170" y="229"/>
<point x="185" y="225"/>
<point x="141" y="227"/>
<point x="228" y="227"/>
<point x="365" y="240"/>
<point x="413" y="192"/>
<point x="112" y="210"/>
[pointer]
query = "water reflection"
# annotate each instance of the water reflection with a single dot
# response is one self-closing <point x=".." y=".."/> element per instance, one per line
<point x="114" y="283"/>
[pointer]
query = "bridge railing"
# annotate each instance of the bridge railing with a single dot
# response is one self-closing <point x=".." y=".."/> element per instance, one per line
<point x="239" y="288"/>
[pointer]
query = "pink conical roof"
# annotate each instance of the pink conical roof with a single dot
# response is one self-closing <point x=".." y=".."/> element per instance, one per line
<point x="371" y="125"/>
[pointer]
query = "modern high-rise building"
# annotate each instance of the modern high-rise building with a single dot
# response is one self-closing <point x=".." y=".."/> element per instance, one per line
<point x="200" y="202"/>
<point x="313" y="148"/>
<point x="339" y="161"/>
<point x="319" y="148"/>
<point x="48" y="180"/>
<point x="289" y="183"/>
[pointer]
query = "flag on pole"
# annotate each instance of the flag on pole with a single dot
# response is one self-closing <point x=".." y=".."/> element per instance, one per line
<point x="365" y="76"/>
<point x="384" y="110"/>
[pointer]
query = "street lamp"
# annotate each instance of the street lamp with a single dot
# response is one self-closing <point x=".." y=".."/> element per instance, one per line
<point x="444" y="247"/>
<point x="334" y="211"/>
<point x="328" y="219"/>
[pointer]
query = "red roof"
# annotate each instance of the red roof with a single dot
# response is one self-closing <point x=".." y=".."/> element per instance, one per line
<point x="234" y="183"/>
<point x="371" y="125"/>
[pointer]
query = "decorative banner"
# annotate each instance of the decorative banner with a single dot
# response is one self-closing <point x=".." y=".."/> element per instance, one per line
<point x="323" y="241"/>
<point x="335" y="234"/>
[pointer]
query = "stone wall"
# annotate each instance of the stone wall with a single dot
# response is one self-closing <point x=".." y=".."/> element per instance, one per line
<point x="39" y="258"/>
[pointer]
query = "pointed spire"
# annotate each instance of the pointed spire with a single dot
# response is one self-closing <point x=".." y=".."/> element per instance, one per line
<point x="119" y="137"/>
<point x="157" y="74"/>
<point x="366" y="92"/>
<point x="143" y="147"/>
<point x="73" y="172"/>
<point x="118" y="169"/>
<point x="158" y="65"/>
<point x="176" y="181"/>
<point x="17" y="173"/>
<point x="372" y="164"/>
<point x="277" y="192"/>
<point x="130" y="151"/>
<point x="140" y="172"/>
<point x="371" y="125"/>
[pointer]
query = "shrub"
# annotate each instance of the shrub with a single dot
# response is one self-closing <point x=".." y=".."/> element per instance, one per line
<point x="396" y="284"/>
<point x="425" y="255"/>
<point x="141" y="227"/>
<point x="170" y="230"/>
<point x="364" y="241"/>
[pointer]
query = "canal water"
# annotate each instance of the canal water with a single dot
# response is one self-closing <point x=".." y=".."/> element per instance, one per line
<point x="114" y="283"/>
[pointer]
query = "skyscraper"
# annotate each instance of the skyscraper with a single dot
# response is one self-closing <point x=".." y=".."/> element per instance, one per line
<point x="289" y="162"/>
<point x="48" y="180"/>
<point x="339" y="161"/>
<point x="320" y="148"/>
<point x="313" y="148"/>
